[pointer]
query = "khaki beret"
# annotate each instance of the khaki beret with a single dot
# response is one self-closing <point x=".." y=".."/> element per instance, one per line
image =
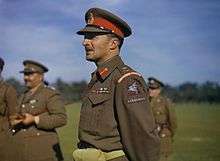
<point x="102" y="21"/>
<point x="31" y="66"/>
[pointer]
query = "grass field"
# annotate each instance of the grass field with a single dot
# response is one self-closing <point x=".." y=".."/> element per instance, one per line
<point x="197" y="138"/>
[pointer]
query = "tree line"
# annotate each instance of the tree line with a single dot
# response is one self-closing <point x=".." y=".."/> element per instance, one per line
<point x="185" y="92"/>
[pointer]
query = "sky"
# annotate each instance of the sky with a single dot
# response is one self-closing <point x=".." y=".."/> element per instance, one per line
<point x="175" y="41"/>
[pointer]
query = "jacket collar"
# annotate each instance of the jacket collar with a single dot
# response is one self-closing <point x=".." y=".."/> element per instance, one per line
<point x="105" y="69"/>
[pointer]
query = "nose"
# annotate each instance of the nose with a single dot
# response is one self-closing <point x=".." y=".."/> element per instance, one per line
<point x="25" y="76"/>
<point x="85" y="42"/>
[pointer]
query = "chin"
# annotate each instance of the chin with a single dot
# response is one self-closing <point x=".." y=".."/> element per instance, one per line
<point x="89" y="59"/>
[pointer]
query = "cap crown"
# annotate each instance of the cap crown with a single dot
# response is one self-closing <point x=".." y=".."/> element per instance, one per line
<point x="100" y="20"/>
<point x="31" y="66"/>
<point x="154" y="83"/>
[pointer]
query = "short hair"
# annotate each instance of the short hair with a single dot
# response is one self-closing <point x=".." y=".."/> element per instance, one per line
<point x="121" y="40"/>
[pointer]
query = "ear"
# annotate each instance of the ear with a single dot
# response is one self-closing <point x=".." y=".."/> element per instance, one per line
<point x="41" y="77"/>
<point x="114" y="43"/>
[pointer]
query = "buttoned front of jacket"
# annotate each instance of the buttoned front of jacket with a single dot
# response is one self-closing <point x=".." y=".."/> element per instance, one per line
<point x="40" y="141"/>
<point x="97" y="112"/>
<point x="8" y="104"/>
<point x="115" y="113"/>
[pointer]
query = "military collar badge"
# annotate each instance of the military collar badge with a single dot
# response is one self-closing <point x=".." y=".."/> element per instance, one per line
<point x="32" y="101"/>
<point x="103" y="72"/>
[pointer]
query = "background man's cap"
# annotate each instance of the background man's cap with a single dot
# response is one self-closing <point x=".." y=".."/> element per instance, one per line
<point x="31" y="66"/>
<point x="2" y="63"/>
<point x="102" y="21"/>
<point x="154" y="83"/>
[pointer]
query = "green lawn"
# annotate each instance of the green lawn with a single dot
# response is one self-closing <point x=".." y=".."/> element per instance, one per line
<point x="197" y="138"/>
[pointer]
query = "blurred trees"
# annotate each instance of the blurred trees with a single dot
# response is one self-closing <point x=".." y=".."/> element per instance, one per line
<point x="186" y="92"/>
<point x="194" y="92"/>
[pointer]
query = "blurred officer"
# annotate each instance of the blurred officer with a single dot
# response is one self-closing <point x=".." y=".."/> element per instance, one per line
<point x="116" y="121"/>
<point x="165" y="117"/>
<point x="41" y="111"/>
<point x="8" y="103"/>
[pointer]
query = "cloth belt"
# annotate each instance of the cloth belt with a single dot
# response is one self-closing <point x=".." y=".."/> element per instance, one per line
<point x="87" y="152"/>
<point x="92" y="154"/>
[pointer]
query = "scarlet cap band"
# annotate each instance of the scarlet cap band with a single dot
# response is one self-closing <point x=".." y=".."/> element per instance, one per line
<point x="105" y="24"/>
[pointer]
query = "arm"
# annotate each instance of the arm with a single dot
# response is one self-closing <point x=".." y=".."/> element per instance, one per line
<point x="11" y="100"/>
<point x="56" y="115"/>
<point x="136" y="123"/>
<point x="172" y="117"/>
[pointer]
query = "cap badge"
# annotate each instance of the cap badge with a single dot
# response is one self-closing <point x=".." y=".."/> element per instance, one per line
<point x="152" y="81"/>
<point x="90" y="20"/>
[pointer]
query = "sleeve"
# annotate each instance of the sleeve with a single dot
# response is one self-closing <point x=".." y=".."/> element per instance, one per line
<point x="56" y="115"/>
<point x="172" y="117"/>
<point x="136" y="122"/>
<point x="11" y="100"/>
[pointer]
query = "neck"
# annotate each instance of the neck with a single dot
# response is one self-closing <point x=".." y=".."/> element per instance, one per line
<point x="32" y="90"/>
<point x="99" y="63"/>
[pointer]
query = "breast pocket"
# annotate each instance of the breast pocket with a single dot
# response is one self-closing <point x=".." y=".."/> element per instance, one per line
<point x="98" y="99"/>
<point x="37" y="107"/>
<point x="93" y="111"/>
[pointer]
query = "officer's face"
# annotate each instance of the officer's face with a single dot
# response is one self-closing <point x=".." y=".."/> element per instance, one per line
<point x="32" y="79"/>
<point x="97" y="47"/>
<point x="154" y="92"/>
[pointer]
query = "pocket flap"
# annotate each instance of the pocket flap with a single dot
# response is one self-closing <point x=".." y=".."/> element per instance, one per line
<point x="99" y="98"/>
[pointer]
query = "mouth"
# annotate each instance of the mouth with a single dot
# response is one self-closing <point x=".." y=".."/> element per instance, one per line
<point x="26" y="82"/>
<point x="88" y="49"/>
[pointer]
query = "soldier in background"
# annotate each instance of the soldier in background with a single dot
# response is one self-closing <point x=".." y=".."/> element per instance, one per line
<point x="116" y="121"/>
<point x="165" y="117"/>
<point x="41" y="111"/>
<point x="8" y="103"/>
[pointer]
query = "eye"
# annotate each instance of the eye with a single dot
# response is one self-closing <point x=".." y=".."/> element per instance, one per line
<point x="89" y="36"/>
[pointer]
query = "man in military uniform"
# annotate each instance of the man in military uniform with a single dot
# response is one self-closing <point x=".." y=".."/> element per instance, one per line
<point x="116" y="121"/>
<point x="8" y="103"/>
<point x="165" y="117"/>
<point x="41" y="111"/>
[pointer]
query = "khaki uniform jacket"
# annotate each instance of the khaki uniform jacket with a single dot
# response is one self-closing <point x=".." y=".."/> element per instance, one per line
<point x="40" y="142"/>
<point x="8" y="104"/>
<point x="165" y="116"/>
<point x="115" y="113"/>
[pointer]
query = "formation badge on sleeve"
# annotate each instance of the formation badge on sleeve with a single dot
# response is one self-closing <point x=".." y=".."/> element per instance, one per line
<point x="134" y="94"/>
<point x="133" y="88"/>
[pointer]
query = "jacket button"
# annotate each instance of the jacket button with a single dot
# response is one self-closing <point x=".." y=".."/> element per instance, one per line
<point x="38" y="134"/>
<point x="23" y="105"/>
<point x="163" y="135"/>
